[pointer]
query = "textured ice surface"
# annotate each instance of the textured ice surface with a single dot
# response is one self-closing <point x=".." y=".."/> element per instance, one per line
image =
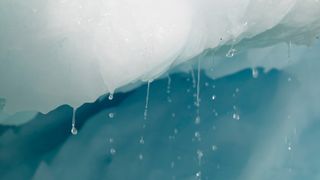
<point x="253" y="122"/>
<point x="275" y="137"/>
<point x="56" y="52"/>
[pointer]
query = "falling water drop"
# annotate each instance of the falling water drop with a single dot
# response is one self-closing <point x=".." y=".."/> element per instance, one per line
<point x="111" y="140"/>
<point x="193" y="78"/>
<point x="141" y="141"/>
<point x="214" y="147"/>
<point x="111" y="115"/>
<point x="198" y="175"/>
<point x="197" y="103"/>
<point x="231" y="52"/>
<point x="110" y="97"/>
<point x="172" y="164"/>
<point x="289" y="49"/>
<point x="169" y="85"/>
<point x="213" y="97"/>
<point x="169" y="89"/>
<point x="140" y="156"/>
<point x="255" y="73"/>
<point x="74" y="130"/>
<point x="145" y="114"/>
<point x="236" y="116"/>
<point x="197" y="135"/>
<point x="113" y="151"/>
<point x="198" y="85"/>
<point x="199" y="156"/>
<point x="197" y="120"/>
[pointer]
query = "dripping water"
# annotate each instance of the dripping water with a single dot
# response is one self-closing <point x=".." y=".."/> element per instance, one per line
<point x="110" y="97"/>
<point x="169" y="89"/>
<point x="145" y="115"/>
<point x="232" y="51"/>
<point x="74" y="130"/>
<point x="197" y="120"/>
<point x="193" y="78"/>
<point x="289" y="49"/>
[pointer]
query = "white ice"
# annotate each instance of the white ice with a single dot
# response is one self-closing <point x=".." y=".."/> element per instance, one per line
<point x="70" y="52"/>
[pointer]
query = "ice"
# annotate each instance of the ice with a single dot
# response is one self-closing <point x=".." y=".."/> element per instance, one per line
<point x="71" y="52"/>
<point x="276" y="137"/>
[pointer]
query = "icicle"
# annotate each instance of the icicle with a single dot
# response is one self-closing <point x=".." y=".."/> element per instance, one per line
<point x="74" y="130"/>
<point x="145" y="115"/>
<point x="255" y="73"/>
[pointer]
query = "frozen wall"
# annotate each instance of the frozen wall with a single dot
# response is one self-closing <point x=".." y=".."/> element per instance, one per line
<point x="56" y="52"/>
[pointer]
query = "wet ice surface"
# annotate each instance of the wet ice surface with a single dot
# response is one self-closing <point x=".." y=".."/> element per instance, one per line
<point x="263" y="127"/>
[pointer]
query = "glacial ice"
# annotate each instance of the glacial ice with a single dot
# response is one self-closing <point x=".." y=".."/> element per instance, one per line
<point x="71" y="52"/>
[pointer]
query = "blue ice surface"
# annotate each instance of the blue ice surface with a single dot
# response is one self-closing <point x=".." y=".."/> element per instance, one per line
<point x="275" y="137"/>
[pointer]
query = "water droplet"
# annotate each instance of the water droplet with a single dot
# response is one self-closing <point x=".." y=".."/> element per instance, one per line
<point x="236" y="116"/>
<point x="289" y="148"/>
<point x="198" y="174"/>
<point x="169" y="85"/>
<point x="141" y="141"/>
<point x="200" y="154"/>
<point x="110" y="97"/>
<point x="140" y="156"/>
<point x="111" y="115"/>
<point x="231" y="52"/>
<point x="214" y="147"/>
<point x="255" y="73"/>
<point x="112" y="151"/>
<point x="111" y="140"/>
<point x="206" y="84"/>
<point x="213" y="97"/>
<point x="74" y="130"/>
<point x="172" y="164"/>
<point x="198" y="85"/>
<point x="197" y="120"/>
<point x="193" y="78"/>
<point x="197" y="135"/>
<point x="289" y="49"/>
